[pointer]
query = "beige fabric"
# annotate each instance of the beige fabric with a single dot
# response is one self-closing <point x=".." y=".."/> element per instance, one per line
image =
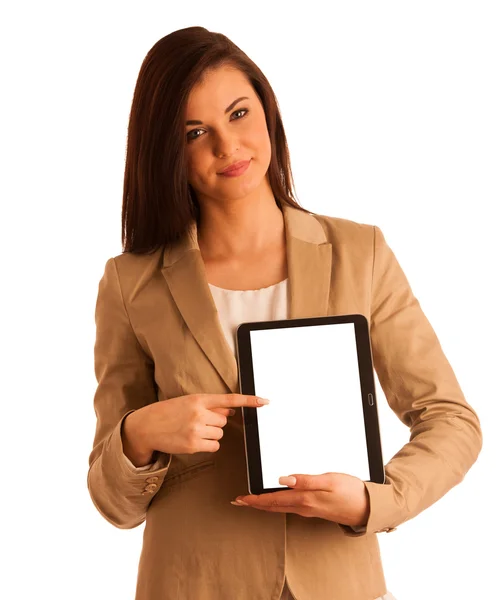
<point x="287" y="595"/>
<point x="159" y="336"/>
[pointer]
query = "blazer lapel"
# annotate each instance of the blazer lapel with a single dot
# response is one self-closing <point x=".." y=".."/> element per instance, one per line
<point x="309" y="259"/>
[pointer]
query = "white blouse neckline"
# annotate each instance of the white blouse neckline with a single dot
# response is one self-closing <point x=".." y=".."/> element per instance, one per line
<point x="247" y="291"/>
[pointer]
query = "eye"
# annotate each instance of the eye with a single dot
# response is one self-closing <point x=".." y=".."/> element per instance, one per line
<point x="245" y="110"/>
<point x="191" y="137"/>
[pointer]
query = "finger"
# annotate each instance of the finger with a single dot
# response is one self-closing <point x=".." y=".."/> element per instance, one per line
<point x="212" y="433"/>
<point x="276" y="500"/>
<point x="227" y="412"/>
<point x="234" y="400"/>
<point x="213" y="418"/>
<point x="279" y="509"/>
<point x="303" y="511"/>
<point x="324" y="482"/>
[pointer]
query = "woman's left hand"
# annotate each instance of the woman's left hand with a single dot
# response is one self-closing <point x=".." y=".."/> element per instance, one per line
<point x="333" y="496"/>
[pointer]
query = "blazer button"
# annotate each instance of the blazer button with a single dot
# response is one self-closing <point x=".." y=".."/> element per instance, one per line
<point x="152" y="479"/>
<point x="150" y="487"/>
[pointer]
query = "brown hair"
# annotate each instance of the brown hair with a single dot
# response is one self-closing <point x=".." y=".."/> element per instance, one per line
<point x="158" y="202"/>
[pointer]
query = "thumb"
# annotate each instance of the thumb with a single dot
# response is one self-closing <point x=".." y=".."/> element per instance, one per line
<point x="308" y="482"/>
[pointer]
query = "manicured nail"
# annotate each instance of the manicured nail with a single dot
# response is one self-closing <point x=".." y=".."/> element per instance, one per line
<point x="239" y="503"/>
<point x="288" y="480"/>
<point x="262" y="401"/>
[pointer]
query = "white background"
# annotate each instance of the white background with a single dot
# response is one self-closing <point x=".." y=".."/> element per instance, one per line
<point x="389" y="109"/>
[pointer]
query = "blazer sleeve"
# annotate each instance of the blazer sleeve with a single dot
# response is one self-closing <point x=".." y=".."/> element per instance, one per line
<point x="421" y="388"/>
<point x="154" y="465"/>
<point x="120" y="491"/>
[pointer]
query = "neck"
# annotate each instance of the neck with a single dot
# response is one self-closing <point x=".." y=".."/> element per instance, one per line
<point x="240" y="228"/>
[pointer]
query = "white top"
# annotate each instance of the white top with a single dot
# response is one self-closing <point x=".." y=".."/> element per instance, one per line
<point x="243" y="306"/>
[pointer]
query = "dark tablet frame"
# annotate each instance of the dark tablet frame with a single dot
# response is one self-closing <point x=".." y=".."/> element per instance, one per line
<point x="366" y="375"/>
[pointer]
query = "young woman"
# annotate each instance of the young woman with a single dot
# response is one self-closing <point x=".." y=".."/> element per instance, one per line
<point x="213" y="237"/>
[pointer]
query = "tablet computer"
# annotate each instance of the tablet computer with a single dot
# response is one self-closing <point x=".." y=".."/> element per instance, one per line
<point x="318" y="374"/>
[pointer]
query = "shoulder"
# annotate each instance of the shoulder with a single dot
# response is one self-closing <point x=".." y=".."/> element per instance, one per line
<point x="345" y="232"/>
<point x="132" y="266"/>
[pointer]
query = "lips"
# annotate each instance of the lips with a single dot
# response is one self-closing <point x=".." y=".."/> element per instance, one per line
<point x="235" y="166"/>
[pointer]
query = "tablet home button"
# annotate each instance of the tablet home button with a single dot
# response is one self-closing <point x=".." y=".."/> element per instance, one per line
<point x="370" y="399"/>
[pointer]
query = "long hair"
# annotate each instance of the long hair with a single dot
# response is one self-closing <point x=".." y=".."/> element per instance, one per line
<point x="158" y="202"/>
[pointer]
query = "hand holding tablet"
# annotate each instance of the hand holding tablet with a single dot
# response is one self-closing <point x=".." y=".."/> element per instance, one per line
<point x="332" y="496"/>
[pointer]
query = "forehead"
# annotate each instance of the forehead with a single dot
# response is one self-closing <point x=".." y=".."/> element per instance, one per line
<point x="218" y="88"/>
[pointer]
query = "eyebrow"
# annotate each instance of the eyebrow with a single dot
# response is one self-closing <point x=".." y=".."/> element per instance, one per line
<point x="194" y="122"/>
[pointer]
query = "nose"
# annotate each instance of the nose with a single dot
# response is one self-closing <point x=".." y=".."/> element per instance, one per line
<point x="225" y="145"/>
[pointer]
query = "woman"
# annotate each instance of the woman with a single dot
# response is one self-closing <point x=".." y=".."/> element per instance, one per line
<point x="203" y="252"/>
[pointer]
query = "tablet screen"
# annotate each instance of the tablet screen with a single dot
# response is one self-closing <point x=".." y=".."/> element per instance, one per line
<point x="315" y="421"/>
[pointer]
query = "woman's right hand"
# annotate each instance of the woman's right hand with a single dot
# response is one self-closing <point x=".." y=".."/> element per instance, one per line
<point x="186" y="424"/>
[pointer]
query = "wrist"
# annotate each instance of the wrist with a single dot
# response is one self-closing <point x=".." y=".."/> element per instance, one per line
<point x="133" y="442"/>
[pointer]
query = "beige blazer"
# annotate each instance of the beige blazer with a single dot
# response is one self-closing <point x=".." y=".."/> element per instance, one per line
<point x="158" y="336"/>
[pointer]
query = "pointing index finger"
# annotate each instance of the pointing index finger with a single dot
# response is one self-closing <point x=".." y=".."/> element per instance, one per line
<point x="235" y="400"/>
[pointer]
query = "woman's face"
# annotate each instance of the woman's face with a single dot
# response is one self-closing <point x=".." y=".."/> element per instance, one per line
<point x="223" y="138"/>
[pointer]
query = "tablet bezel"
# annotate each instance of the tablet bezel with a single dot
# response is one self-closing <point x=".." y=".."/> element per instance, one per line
<point x="367" y="383"/>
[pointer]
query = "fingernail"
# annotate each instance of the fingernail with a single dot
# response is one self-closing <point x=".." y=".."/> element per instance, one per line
<point x="287" y="480"/>
<point x="262" y="401"/>
<point x="239" y="503"/>
<point x="232" y="412"/>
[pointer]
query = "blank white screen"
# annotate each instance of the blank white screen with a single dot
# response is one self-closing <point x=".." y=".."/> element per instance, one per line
<point x="314" y="423"/>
